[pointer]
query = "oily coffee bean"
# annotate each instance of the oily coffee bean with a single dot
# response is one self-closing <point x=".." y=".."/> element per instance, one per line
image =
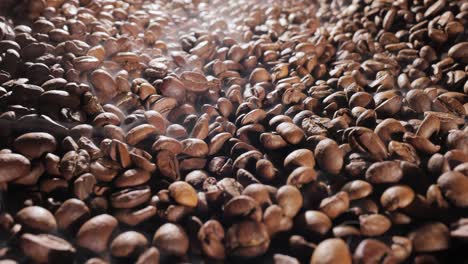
<point x="13" y="166"/>
<point x="95" y="233"/>
<point x="331" y="250"/>
<point x="37" y="219"/>
<point x="46" y="248"/>
<point x="171" y="239"/>
<point x="127" y="244"/>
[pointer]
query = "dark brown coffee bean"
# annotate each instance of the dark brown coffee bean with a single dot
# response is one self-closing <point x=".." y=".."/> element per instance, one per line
<point x="459" y="52"/>
<point x="194" y="82"/>
<point x="183" y="193"/>
<point x="384" y="172"/>
<point x="290" y="132"/>
<point x="95" y="233"/>
<point x="372" y="250"/>
<point x="171" y="239"/>
<point x="374" y="224"/>
<point x="211" y="237"/>
<point x="70" y="213"/>
<point x="46" y="248"/>
<point x="335" y="205"/>
<point x="453" y="185"/>
<point x="130" y="197"/>
<point x="357" y="189"/>
<point x="316" y="221"/>
<point x="37" y="219"/>
<point x="290" y="199"/>
<point x="128" y="244"/>
<point x="140" y="133"/>
<point x="247" y="239"/>
<point x="300" y="157"/>
<point x="329" y="156"/>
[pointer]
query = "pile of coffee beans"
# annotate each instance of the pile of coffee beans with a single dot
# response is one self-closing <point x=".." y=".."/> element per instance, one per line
<point x="213" y="131"/>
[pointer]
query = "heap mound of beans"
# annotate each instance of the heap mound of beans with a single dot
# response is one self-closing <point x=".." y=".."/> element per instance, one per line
<point x="213" y="131"/>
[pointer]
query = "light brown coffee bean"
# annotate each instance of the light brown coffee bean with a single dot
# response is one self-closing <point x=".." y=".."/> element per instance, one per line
<point x="332" y="250"/>
<point x="247" y="239"/>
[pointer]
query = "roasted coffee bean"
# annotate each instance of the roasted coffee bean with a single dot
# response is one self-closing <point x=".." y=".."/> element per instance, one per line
<point x="171" y="239"/>
<point x="247" y="239"/>
<point x="372" y="250"/>
<point x="453" y="186"/>
<point x="243" y="122"/>
<point x="384" y="172"/>
<point x="211" y="237"/>
<point x="183" y="193"/>
<point x="127" y="244"/>
<point x="329" y="156"/>
<point x="374" y="224"/>
<point x="70" y="213"/>
<point x="45" y="248"/>
<point x="95" y="233"/>
<point x="13" y="166"/>
<point x="34" y="145"/>
<point x="432" y="236"/>
<point x="332" y="250"/>
<point x="37" y="219"/>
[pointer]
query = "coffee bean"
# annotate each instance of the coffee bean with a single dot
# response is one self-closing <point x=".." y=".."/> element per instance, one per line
<point x="183" y="193"/>
<point x="171" y="239"/>
<point x="384" y="172"/>
<point x="397" y="197"/>
<point x="453" y="185"/>
<point x="247" y="239"/>
<point x="374" y="224"/>
<point x="37" y="219"/>
<point x="127" y="244"/>
<point x="329" y="156"/>
<point x="459" y="52"/>
<point x="211" y="236"/>
<point x="332" y="250"/>
<point x="371" y="250"/>
<point x="95" y="233"/>
<point x="141" y="115"/>
<point x="13" y="166"/>
<point x="46" y="248"/>
<point x="71" y="213"/>
<point x="290" y="199"/>
<point x="432" y="236"/>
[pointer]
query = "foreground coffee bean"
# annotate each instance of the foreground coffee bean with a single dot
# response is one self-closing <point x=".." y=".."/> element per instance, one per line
<point x="128" y="244"/>
<point x="44" y="248"/>
<point x="37" y="219"/>
<point x="95" y="233"/>
<point x="33" y="145"/>
<point x="13" y="166"/>
<point x="247" y="239"/>
<point x="331" y="250"/>
<point x="171" y="239"/>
